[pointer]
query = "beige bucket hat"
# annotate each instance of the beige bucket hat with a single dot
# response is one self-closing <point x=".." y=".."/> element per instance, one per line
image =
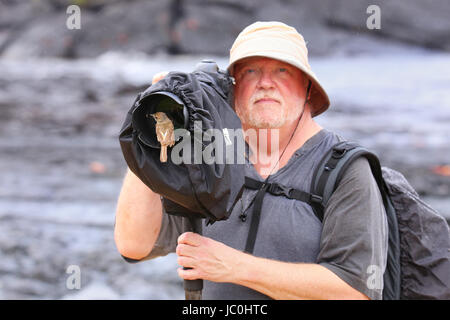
<point x="279" y="41"/>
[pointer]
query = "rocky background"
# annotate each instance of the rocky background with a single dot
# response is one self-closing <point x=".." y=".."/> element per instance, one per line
<point x="37" y="28"/>
<point x="64" y="94"/>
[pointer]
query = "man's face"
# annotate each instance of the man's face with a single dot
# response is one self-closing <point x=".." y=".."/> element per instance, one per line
<point x="269" y="93"/>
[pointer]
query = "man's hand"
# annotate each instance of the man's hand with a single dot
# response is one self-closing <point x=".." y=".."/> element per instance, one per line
<point x="208" y="259"/>
<point x="159" y="76"/>
<point x="214" y="261"/>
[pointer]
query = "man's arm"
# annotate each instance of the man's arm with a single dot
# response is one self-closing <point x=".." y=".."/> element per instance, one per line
<point x="138" y="218"/>
<point x="139" y="213"/>
<point x="282" y="280"/>
<point x="214" y="261"/>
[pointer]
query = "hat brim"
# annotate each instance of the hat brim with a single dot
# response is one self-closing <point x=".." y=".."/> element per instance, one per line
<point x="318" y="98"/>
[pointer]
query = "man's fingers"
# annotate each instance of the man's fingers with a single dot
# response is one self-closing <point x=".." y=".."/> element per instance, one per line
<point x="186" y="262"/>
<point x="185" y="250"/>
<point x="190" y="238"/>
<point x="188" y="274"/>
<point x="159" y="76"/>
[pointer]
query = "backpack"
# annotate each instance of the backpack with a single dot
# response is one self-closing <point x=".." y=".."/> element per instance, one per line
<point x="418" y="259"/>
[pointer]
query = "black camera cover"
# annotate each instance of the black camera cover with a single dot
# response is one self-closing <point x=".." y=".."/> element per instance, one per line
<point x="199" y="105"/>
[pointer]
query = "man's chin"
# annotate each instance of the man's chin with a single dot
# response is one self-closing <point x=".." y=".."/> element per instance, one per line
<point x="269" y="118"/>
<point x="266" y="123"/>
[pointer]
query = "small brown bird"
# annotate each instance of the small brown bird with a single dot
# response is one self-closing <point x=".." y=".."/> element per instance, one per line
<point x="164" y="133"/>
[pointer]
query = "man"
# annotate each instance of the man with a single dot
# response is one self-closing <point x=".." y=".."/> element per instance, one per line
<point x="295" y="255"/>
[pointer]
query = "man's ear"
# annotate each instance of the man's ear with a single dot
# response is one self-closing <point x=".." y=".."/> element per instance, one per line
<point x="308" y="89"/>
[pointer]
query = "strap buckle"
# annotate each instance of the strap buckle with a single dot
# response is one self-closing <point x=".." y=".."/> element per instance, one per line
<point x="278" y="190"/>
<point x="339" y="152"/>
<point x="316" y="199"/>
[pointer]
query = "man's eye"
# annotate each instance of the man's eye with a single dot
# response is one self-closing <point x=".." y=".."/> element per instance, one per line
<point x="282" y="69"/>
<point x="250" y="71"/>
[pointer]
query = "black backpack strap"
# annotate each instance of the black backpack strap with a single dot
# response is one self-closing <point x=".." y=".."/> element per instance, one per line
<point x="256" y="215"/>
<point x="332" y="167"/>
<point x="276" y="189"/>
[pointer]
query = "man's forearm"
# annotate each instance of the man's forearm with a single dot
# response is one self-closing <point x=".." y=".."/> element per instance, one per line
<point x="283" y="280"/>
<point x="138" y="218"/>
<point x="214" y="261"/>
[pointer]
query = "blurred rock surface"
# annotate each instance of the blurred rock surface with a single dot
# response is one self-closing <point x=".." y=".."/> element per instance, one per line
<point x="38" y="28"/>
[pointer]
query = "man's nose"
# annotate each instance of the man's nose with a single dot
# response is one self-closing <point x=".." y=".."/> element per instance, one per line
<point x="265" y="80"/>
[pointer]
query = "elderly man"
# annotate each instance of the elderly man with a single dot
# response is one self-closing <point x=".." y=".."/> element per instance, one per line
<point x="295" y="256"/>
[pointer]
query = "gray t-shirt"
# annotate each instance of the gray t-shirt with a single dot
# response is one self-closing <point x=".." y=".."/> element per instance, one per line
<point x="351" y="241"/>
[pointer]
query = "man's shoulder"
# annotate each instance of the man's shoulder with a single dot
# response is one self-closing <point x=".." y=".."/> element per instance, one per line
<point x="357" y="180"/>
<point x="330" y="138"/>
<point x="358" y="167"/>
<point x="359" y="170"/>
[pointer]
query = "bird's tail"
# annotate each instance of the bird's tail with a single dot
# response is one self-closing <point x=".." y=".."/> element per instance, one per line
<point x="163" y="154"/>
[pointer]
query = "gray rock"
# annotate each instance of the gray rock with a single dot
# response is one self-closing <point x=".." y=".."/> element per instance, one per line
<point x="328" y="26"/>
<point x="209" y="27"/>
<point x="419" y="22"/>
<point x="122" y="26"/>
<point x="125" y="26"/>
<point x="46" y="36"/>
